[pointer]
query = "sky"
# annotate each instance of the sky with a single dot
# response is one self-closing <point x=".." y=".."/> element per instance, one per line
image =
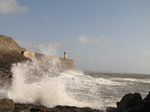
<point x="99" y="35"/>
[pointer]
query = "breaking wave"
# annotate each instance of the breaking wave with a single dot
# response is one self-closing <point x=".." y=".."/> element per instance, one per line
<point x="36" y="83"/>
<point x="132" y="80"/>
<point x="41" y="81"/>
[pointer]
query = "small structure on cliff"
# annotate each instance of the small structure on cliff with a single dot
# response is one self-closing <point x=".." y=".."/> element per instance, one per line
<point x="65" y="55"/>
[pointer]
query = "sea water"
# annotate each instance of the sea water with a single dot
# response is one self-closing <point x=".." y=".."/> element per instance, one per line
<point x="38" y="83"/>
<point x="41" y="82"/>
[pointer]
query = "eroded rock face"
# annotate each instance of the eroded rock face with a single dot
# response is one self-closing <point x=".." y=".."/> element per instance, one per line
<point x="8" y="44"/>
<point x="10" y="53"/>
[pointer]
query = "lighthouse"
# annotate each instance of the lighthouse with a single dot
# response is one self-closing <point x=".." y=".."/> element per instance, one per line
<point x="65" y="55"/>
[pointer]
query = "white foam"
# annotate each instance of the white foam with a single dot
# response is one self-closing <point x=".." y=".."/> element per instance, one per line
<point x="132" y="80"/>
<point x="41" y="82"/>
<point x="50" y="90"/>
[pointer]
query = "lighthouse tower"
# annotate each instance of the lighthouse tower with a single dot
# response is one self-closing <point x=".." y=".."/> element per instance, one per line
<point x="65" y="55"/>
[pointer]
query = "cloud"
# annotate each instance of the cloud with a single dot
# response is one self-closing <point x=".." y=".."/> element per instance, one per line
<point x="146" y="53"/>
<point x="113" y="54"/>
<point x="83" y="39"/>
<point x="11" y="6"/>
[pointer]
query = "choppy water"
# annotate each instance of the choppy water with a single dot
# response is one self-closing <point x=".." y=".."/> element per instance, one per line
<point x="38" y="83"/>
<point x="117" y="85"/>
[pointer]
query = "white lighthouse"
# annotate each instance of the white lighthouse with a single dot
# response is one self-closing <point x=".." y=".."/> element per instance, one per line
<point x="65" y="54"/>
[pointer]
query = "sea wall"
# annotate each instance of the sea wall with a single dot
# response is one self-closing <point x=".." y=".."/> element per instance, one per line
<point x="62" y="63"/>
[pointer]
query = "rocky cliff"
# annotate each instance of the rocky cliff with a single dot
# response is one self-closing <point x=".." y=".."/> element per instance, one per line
<point x="10" y="52"/>
<point x="8" y="44"/>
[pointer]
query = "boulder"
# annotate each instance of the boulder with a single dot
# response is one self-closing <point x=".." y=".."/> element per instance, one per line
<point x="30" y="55"/>
<point x="147" y="98"/>
<point x="129" y="101"/>
<point x="145" y="106"/>
<point x="132" y="103"/>
<point x="112" y="109"/>
<point x="7" y="105"/>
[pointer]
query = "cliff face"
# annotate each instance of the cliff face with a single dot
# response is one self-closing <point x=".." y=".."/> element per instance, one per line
<point x="10" y="52"/>
<point x="7" y="44"/>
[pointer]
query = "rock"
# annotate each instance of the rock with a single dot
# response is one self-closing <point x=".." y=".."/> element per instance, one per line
<point x="7" y="105"/>
<point x="132" y="103"/>
<point x="147" y="98"/>
<point x="112" y="109"/>
<point x="74" y="109"/>
<point x="40" y="108"/>
<point x="22" y="107"/>
<point x="145" y="106"/>
<point x="30" y="55"/>
<point x="129" y="101"/>
<point x="6" y="61"/>
<point x="8" y="44"/>
<point x="10" y="53"/>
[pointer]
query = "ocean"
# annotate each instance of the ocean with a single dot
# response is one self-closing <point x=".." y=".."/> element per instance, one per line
<point x="38" y="83"/>
<point x="113" y="86"/>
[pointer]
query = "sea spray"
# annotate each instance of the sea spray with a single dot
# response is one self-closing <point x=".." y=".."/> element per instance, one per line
<point x="38" y="83"/>
<point x="49" y="48"/>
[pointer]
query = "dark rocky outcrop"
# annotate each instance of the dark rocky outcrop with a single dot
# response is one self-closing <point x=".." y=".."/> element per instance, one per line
<point x="145" y="104"/>
<point x="129" y="101"/>
<point x="7" y="105"/>
<point x="132" y="103"/>
<point x="10" y="53"/>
